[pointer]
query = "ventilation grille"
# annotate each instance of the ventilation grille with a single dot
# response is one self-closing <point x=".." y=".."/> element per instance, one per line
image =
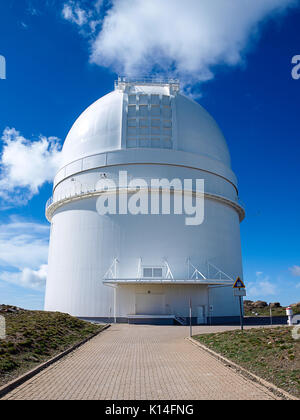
<point x="149" y="121"/>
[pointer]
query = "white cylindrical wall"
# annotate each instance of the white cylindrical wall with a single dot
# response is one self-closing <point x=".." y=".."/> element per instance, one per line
<point x="151" y="131"/>
<point x="84" y="244"/>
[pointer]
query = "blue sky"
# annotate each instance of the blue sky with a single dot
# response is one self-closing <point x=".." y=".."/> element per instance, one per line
<point x="234" y="58"/>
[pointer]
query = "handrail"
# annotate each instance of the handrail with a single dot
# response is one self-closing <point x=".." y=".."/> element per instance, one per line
<point x="167" y="281"/>
<point x="94" y="192"/>
<point x="146" y="80"/>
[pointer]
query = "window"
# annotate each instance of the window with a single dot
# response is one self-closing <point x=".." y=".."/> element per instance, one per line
<point x="167" y="123"/>
<point x="132" y="122"/>
<point x="166" y="100"/>
<point x="167" y="112"/>
<point x="144" y="142"/>
<point x="147" y="272"/>
<point x="131" y="143"/>
<point x="155" y="99"/>
<point x="155" y="127"/>
<point x="167" y="132"/>
<point x="131" y="131"/>
<point x="143" y="99"/>
<point x="157" y="272"/>
<point x="143" y="122"/>
<point x="153" y="272"/>
<point x="132" y="99"/>
<point x="149" y="126"/>
<point x="143" y="111"/>
<point x="155" y="123"/>
<point x="155" y="130"/>
<point x="143" y="130"/>
<point x="131" y="111"/>
<point x="167" y="144"/>
<point x="155" y="110"/>
<point x="155" y="142"/>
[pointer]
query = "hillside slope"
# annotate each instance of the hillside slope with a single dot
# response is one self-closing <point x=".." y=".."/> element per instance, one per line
<point x="33" y="337"/>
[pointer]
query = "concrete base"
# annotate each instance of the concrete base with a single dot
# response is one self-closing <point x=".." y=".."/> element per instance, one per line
<point x="223" y="320"/>
<point x="164" y="320"/>
<point x="265" y="320"/>
<point x="151" y="319"/>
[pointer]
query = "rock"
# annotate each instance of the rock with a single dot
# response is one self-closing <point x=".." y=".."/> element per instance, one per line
<point x="275" y="305"/>
<point x="260" y="304"/>
<point x="10" y="309"/>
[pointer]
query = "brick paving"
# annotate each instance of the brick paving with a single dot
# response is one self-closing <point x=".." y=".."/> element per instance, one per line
<point x="140" y="362"/>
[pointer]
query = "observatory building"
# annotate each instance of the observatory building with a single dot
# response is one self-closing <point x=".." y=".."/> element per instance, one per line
<point x="127" y="265"/>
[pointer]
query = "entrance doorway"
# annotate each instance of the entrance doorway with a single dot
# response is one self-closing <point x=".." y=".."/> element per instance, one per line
<point x="201" y="315"/>
<point x="149" y="304"/>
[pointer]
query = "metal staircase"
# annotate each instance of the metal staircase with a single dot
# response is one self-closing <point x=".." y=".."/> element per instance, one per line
<point x="180" y="320"/>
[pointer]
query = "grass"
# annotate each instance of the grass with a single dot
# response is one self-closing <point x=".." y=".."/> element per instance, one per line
<point x="33" y="337"/>
<point x="266" y="311"/>
<point x="270" y="353"/>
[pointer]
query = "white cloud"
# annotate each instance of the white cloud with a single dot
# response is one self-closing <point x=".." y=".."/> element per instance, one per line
<point x="295" y="270"/>
<point x="183" y="38"/>
<point x="262" y="287"/>
<point x="26" y="165"/>
<point x="35" y="279"/>
<point x="33" y="11"/>
<point x="75" y="13"/>
<point x="24" y="253"/>
<point x="23" y="244"/>
<point x="27" y="278"/>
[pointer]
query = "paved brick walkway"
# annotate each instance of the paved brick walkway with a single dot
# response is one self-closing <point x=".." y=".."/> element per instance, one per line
<point x="140" y="362"/>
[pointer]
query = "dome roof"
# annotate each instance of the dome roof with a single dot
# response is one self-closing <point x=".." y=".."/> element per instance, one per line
<point x="139" y="115"/>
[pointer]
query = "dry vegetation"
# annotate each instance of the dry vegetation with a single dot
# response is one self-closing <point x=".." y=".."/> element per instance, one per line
<point x="270" y="353"/>
<point x="35" y="336"/>
<point x="261" y="308"/>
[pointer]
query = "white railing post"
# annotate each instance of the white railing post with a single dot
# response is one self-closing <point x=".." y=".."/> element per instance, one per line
<point x="169" y="274"/>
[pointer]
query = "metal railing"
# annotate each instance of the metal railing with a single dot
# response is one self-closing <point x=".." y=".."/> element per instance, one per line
<point x="77" y="191"/>
<point x="83" y="192"/>
<point x="49" y="202"/>
<point x="157" y="80"/>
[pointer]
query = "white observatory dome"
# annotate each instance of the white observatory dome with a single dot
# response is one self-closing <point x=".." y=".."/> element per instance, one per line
<point x="99" y="128"/>
<point x="144" y="265"/>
